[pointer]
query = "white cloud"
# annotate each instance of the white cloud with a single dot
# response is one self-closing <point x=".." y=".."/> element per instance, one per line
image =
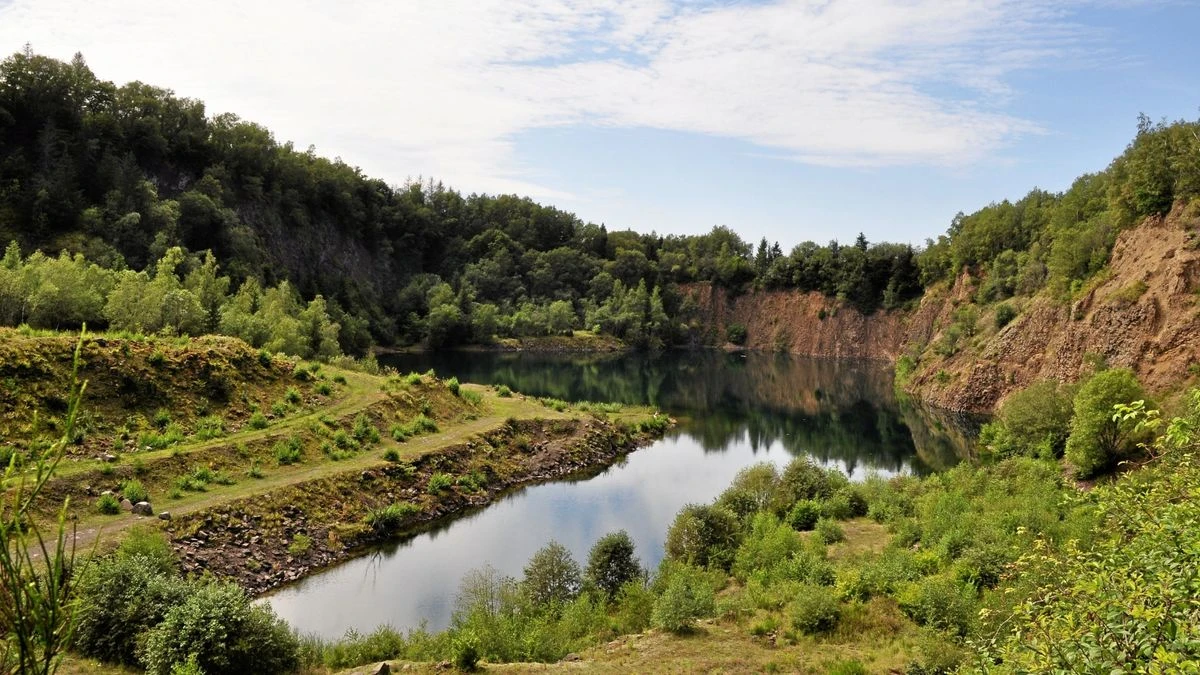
<point x="442" y="87"/>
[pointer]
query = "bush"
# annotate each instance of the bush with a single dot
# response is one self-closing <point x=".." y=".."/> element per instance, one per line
<point x="736" y="333"/>
<point x="119" y="598"/>
<point x="258" y="421"/>
<point x="1097" y="441"/>
<point x="828" y="531"/>
<point x="324" y="389"/>
<point x="768" y="544"/>
<point x="134" y="491"/>
<point x="802" y="479"/>
<point x="224" y="632"/>
<point x="552" y="576"/>
<point x="364" y="429"/>
<point x="391" y="455"/>
<point x="300" y="545"/>
<point x="289" y="451"/>
<point x="208" y="428"/>
<point x="453" y="385"/>
<point x="804" y="515"/>
<point x="1033" y="421"/>
<point x="108" y="505"/>
<point x="390" y="517"/>
<point x="503" y="391"/>
<point x="815" y="610"/>
<point x="466" y="651"/>
<point x="1005" y="313"/>
<point x="151" y="544"/>
<point x="703" y="536"/>
<point x="687" y="597"/>
<point x="612" y="563"/>
<point x="292" y="395"/>
<point x="438" y="482"/>
<point x="941" y="603"/>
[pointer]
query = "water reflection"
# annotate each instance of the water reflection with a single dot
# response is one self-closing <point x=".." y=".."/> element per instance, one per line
<point x="734" y="410"/>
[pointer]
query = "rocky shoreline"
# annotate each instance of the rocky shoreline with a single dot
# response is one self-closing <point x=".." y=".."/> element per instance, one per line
<point x="270" y="540"/>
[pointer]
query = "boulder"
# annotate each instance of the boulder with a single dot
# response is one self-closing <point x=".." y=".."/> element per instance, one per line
<point x="382" y="669"/>
<point x="165" y="515"/>
<point x="126" y="505"/>
<point x="143" y="509"/>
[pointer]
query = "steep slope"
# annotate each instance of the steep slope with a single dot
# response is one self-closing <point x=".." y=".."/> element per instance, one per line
<point x="1140" y="313"/>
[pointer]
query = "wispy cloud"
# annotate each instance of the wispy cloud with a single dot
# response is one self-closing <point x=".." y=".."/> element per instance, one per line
<point x="442" y="87"/>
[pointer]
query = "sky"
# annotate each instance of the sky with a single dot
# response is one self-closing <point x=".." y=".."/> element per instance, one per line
<point x="792" y="120"/>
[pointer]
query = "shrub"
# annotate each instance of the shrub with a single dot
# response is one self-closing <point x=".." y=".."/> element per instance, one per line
<point x="736" y="333"/>
<point x="390" y="517"/>
<point x="552" y="576"/>
<point x="804" y="515"/>
<point x="828" y="531"/>
<point x="1097" y="441"/>
<point x="453" y="385"/>
<point x="301" y="373"/>
<point x="289" y="451"/>
<point x="391" y="455"/>
<point x="466" y="651"/>
<point x="438" y="482"/>
<point x="157" y="358"/>
<point x="324" y="389"/>
<point x="162" y="417"/>
<point x="279" y="409"/>
<point x="208" y="428"/>
<point x="339" y="379"/>
<point x="1005" y="313"/>
<point x="1032" y="421"/>
<point x="119" y="598"/>
<point x="686" y="597"/>
<point x="802" y="479"/>
<point x="300" y="545"/>
<point x="255" y="470"/>
<point x="134" y="491"/>
<point x="815" y="610"/>
<point x="703" y="536"/>
<point x="264" y="358"/>
<point x="769" y="543"/>
<point x="224" y="632"/>
<point x="612" y="563"/>
<point x="941" y="603"/>
<point x="258" y="421"/>
<point x="364" y="429"/>
<point x="471" y="397"/>
<point x="292" y="395"/>
<point x="151" y="544"/>
<point x="108" y="505"/>
<point x="503" y="391"/>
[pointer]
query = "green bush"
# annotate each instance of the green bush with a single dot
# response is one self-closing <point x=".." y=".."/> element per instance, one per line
<point x="108" y="505"/>
<point x="364" y="429"/>
<point x="289" y="451"/>
<point x="612" y="564"/>
<point x="941" y="603"/>
<point x="292" y="395"/>
<point x="802" y="479"/>
<point x="1098" y="440"/>
<point x="324" y="389"/>
<point x="828" y="531"/>
<point x="804" y="515"/>
<point x="224" y="632"/>
<point x="1034" y="421"/>
<point x="438" y="482"/>
<point x="453" y="385"/>
<point x="466" y="651"/>
<point x="1005" y="313"/>
<point x="119" y="599"/>
<point x="703" y="535"/>
<point x="814" y="610"/>
<point x="768" y="544"/>
<point x="736" y="333"/>
<point x="391" y="455"/>
<point x="503" y="391"/>
<point x="258" y="421"/>
<point x="391" y="517"/>
<point x="134" y="491"/>
<point x="208" y="428"/>
<point x="686" y="597"/>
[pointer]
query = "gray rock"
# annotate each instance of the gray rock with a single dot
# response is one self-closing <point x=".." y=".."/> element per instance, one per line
<point x="165" y="515"/>
<point x="126" y="505"/>
<point x="109" y="458"/>
<point x="571" y="657"/>
<point x="143" y="509"/>
<point x="383" y="669"/>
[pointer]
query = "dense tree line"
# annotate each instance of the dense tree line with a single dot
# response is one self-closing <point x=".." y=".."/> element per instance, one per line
<point x="123" y="174"/>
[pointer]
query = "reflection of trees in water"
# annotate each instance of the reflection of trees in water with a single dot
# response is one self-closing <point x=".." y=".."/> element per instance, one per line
<point x="830" y="409"/>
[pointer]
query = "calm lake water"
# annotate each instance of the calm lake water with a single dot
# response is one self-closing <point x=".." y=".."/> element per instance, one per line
<point x="733" y="410"/>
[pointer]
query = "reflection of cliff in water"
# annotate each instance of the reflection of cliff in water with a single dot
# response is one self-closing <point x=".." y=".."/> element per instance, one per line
<point x="833" y="410"/>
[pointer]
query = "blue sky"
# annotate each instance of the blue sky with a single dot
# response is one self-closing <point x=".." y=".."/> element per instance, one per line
<point x="789" y="119"/>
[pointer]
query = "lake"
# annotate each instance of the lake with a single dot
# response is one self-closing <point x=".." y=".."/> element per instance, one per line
<point x="733" y="410"/>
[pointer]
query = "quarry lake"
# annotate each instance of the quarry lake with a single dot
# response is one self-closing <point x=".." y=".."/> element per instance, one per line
<point x="733" y="410"/>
